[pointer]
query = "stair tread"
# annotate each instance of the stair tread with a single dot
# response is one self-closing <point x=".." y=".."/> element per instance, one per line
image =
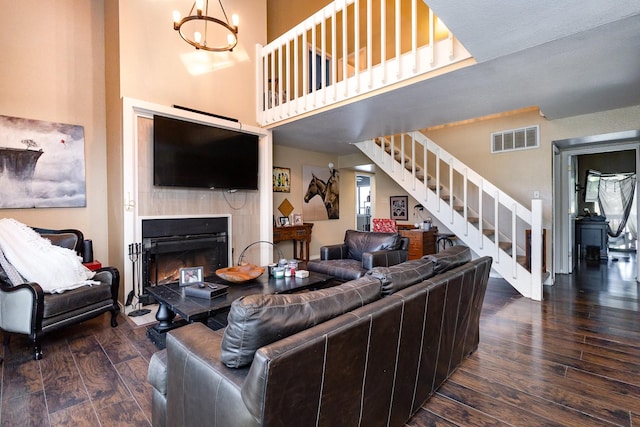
<point x="505" y="246"/>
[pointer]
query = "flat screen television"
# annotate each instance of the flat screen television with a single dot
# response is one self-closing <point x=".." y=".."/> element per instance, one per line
<point x="194" y="155"/>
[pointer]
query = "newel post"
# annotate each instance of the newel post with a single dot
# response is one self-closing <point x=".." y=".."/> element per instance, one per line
<point x="536" y="249"/>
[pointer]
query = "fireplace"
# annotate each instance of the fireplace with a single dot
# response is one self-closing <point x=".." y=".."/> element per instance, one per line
<point x="169" y="244"/>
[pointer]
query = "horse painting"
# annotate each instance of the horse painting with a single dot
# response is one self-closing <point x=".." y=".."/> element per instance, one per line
<point x="328" y="192"/>
<point x="317" y="187"/>
<point x="332" y="196"/>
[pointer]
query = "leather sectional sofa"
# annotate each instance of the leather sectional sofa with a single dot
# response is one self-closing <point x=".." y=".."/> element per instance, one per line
<point x="368" y="352"/>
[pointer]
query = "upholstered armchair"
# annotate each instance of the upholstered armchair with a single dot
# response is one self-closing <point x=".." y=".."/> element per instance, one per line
<point x="359" y="253"/>
<point x="27" y="309"/>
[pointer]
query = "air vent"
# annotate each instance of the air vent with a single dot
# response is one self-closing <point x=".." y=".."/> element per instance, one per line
<point x="515" y="139"/>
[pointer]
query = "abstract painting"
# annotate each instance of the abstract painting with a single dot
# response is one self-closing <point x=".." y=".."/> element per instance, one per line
<point x="41" y="164"/>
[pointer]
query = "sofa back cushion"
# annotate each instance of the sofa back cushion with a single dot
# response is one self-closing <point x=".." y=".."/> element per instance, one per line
<point x="360" y="242"/>
<point x="65" y="240"/>
<point x="450" y="258"/>
<point x="257" y="320"/>
<point x="402" y="275"/>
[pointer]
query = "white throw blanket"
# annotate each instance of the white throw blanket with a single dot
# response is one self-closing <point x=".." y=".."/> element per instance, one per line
<point x="35" y="258"/>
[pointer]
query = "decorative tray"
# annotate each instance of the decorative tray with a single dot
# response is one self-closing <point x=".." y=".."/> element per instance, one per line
<point x="240" y="273"/>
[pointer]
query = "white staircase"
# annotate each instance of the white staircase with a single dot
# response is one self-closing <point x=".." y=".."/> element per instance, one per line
<point x="486" y="219"/>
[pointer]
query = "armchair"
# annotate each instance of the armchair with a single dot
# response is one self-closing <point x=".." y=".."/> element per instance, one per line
<point x="359" y="253"/>
<point x="27" y="309"/>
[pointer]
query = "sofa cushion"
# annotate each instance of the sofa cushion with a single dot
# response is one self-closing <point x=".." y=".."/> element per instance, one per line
<point x="402" y="275"/>
<point x="340" y="269"/>
<point x="451" y="257"/>
<point x="257" y="320"/>
<point x="360" y="242"/>
<point x="65" y="240"/>
<point x="84" y="296"/>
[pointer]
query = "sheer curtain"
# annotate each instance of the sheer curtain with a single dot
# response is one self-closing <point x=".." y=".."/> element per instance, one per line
<point x="616" y="200"/>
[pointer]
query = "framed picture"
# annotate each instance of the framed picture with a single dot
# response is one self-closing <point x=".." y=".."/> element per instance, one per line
<point x="190" y="275"/>
<point x="281" y="180"/>
<point x="399" y="207"/>
<point x="297" y="219"/>
<point x="284" y="220"/>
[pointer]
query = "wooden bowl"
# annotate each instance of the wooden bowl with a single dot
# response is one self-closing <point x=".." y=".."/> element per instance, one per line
<point x="240" y="273"/>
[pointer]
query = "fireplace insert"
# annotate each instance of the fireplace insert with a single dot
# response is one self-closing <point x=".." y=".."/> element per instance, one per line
<point x="171" y="244"/>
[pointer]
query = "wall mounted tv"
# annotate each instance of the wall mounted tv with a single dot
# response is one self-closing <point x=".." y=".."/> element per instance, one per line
<point x="193" y="155"/>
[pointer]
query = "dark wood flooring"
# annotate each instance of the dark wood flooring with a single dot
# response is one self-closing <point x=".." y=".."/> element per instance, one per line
<point x="571" y="360"/>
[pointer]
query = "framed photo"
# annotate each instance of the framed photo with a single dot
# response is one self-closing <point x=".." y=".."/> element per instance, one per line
<point x="190" y="275"/>
<point x="399" y="208"/>
<point x="284" y="220"/>
<point x="281" y="180"/>
<point x="297" y="219"/>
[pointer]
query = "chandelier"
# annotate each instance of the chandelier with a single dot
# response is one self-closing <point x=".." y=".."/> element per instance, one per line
<point x="206" y="32"/>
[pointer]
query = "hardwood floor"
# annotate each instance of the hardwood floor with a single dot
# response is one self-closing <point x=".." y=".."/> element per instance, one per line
<point x="572" y="360"/>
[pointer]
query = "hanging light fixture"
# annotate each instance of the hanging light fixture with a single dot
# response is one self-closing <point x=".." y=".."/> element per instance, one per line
<point x="206" y="32"/>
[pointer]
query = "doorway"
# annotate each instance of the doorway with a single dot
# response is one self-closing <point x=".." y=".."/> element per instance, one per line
<point x="363" y="201"/>
<point x="567" y="190"/>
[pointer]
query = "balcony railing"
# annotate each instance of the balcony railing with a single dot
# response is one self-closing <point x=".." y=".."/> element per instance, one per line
<point x="350" y="48"/>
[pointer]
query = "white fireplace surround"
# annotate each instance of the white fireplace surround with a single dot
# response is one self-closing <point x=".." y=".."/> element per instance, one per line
<point x="133" y="109"/>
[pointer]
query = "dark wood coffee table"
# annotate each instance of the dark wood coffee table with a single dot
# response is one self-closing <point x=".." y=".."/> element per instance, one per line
<point x="173" y="301"/>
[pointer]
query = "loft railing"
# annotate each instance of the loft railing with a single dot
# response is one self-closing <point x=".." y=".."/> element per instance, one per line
<point x="347" y="49"/>
<point x="485" y="218"/>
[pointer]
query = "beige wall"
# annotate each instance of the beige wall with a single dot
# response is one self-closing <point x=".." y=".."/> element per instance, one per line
<point x="332" y="231"/>
<point x="323" y="232"/>
<point x="284" y="14"/>
<point x="53" y="69"/>
<point x="520" y="173"/>
<point x="155" y="65"/>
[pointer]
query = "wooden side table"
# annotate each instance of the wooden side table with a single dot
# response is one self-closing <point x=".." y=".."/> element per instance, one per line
<point x="421" y="242"/>
<point x="300" y="234"/>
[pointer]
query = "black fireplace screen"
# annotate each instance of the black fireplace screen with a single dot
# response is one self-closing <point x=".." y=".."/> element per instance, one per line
<point x="163" y="258"/>
<point x="172" y="244"/>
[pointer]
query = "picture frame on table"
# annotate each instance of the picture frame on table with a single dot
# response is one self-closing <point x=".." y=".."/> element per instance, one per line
<point x="399" y="208"/>
<point x="284" y="221"/>
<point x="297" y="219"/>
<point x="190" y="275"/>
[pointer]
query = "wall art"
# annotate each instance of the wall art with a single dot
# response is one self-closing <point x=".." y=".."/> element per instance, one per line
<point x="399" y="207"/>
<point x="42" y="164"/>
<point x="281" y="180"/>
<point x="321" y="193"/>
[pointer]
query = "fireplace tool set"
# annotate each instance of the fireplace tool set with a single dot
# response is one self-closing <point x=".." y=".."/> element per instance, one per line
<point x="135" y="252"/>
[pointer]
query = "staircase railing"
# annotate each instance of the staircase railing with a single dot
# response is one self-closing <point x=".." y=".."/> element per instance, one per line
<point x="347" y="49"/>
<point x="485" y="218"/>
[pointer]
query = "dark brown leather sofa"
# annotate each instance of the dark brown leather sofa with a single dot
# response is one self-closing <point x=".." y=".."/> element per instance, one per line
<point x="374" y="365"/>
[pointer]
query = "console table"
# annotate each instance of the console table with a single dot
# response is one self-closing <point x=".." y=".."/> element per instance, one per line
<point x="592" y="233"/>
<point x="299" y="234"/>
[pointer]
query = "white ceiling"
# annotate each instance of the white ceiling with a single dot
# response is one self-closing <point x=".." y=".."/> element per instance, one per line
<point x="568" y="58"/>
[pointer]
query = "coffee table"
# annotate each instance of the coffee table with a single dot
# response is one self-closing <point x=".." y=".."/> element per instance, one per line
<point x="173" y="301"/>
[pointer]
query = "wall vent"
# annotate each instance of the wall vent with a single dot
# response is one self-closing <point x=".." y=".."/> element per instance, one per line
<point x="515" y="139"/>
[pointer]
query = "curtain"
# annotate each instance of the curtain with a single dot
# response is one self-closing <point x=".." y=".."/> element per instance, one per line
<point x="616" y="198"/>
